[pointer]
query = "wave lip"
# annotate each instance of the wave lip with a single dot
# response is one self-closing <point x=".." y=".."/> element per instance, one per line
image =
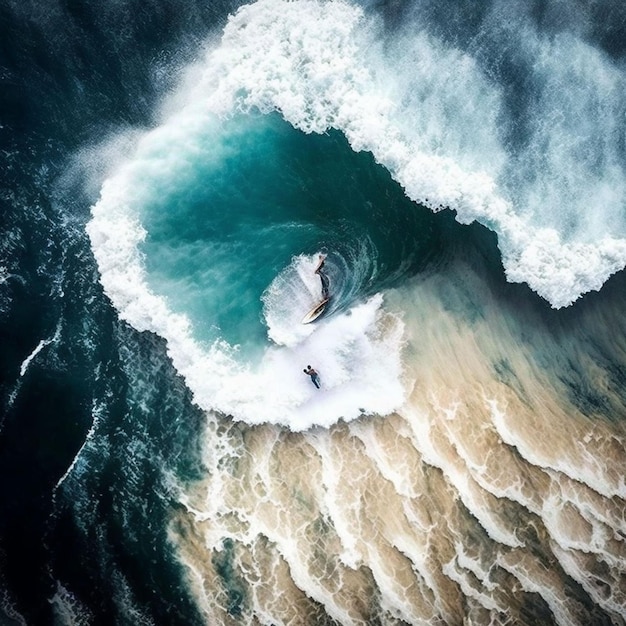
<point x="322" y="65"/>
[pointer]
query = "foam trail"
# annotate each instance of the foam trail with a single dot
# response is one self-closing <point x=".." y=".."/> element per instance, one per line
<point x="40" y="346"/>
<point x="5" y="275"/>
<point x="293" y="291"/>
<point x="28" y="360"/>
<point x="68" y="610"/>
<point x="94" y="425"/>
<point x="10" y="610"/>
<point x="575" y="462"/>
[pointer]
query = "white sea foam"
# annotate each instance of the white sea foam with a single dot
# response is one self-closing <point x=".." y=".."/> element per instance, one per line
<point x="357" y="353"/>
<point x="28" y="360"/>
<point x="40" y="346"/>
<point x="95" y="412"/>
<point x="321" y="65"/>
<point x="68" y="610"/>
<point x="295" y="290"/>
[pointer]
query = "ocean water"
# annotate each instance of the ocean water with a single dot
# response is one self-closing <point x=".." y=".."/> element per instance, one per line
<point x="171" y="173"/>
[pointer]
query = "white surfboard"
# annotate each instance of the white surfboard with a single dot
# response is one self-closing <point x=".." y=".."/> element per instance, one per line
<point x="315" y="312"/>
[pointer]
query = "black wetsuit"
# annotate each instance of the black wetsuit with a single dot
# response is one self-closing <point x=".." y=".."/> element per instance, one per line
<point x="325" y="285"/>
<point x="324" y="279"/>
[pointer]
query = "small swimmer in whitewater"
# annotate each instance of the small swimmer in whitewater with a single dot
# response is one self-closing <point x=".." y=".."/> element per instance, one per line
<point x="315" y="378"/>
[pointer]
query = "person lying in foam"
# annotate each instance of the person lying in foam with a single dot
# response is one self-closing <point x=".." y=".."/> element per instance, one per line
<point x="315" y="379"/>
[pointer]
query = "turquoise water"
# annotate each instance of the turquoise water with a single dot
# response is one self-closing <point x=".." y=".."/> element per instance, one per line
<point x="253" y="193"/>
<point x="464" y="459"/>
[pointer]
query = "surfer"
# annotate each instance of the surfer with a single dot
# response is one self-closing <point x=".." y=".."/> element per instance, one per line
<point x="315" y="379"/>
<point x="323" y="278"/>
<point x="320" y="307"/>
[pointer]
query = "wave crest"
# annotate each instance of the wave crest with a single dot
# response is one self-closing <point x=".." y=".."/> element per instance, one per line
<point x="322" y="65"/>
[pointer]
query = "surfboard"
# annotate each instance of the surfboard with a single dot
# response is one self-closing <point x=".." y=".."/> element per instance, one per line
<point x="315" y="312"/>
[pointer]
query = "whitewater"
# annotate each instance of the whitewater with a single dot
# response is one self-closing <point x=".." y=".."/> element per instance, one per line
<point x="432" y="117"/>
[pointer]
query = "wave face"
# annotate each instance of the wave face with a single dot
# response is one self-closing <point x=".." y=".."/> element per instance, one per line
<point x="512" y="124"/>
<point x="173" y="261"/>
<point x="167" y="189"/>
<point x="203" y="239"/>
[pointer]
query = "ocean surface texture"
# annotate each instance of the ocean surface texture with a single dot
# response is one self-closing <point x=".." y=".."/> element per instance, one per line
<point x="170" y="174"/>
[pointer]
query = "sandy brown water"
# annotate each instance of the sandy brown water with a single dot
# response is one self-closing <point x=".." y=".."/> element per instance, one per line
<point x="495" y="495"/>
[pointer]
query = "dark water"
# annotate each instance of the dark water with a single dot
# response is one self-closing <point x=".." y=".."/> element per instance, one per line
<point x="72" y="72"/>
<point x="98" y="429"/>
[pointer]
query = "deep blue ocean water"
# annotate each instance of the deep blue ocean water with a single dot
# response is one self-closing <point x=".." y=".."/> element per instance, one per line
<point x="102" y="427"/>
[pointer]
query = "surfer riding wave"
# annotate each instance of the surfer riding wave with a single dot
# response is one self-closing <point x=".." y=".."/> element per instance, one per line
<point x="323" y="278"/>
<point x="319" y="308"/>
